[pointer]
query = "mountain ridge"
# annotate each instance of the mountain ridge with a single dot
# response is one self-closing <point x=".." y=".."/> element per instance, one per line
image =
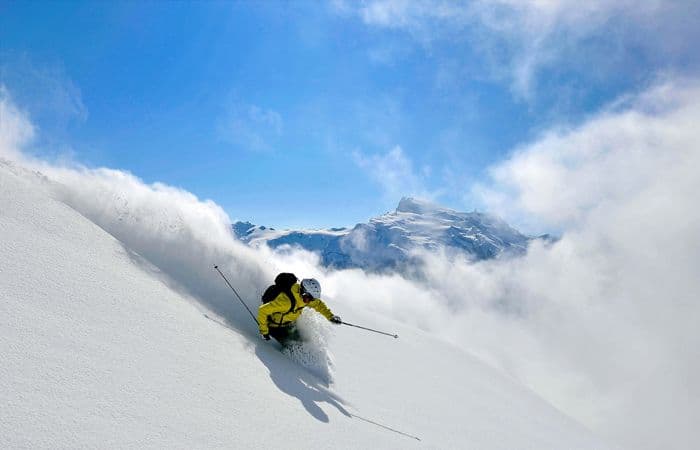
<point x="390" y="241"/>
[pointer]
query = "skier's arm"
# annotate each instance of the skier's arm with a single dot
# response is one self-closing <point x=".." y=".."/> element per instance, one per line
<point x="321" y="307"/>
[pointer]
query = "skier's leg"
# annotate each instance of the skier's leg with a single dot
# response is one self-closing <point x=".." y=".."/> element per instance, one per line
<point x="281" y="334"/>
<point x="285" y="335"/>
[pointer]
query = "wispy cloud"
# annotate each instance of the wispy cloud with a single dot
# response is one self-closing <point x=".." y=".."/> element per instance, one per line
<point x="395" y="173"/>
<point x="416" y="16"/>
<point x="251" y="127"/>
<point x="520" y="39"/>
<point x="45" y="89"/>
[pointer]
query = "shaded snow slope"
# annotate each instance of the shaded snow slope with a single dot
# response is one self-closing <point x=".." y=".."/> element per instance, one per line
<point x="108" y="344"/>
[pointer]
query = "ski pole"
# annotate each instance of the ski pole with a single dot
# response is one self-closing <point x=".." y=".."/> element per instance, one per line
<point x="369" y="329"/>
<point x="234" y="291"/>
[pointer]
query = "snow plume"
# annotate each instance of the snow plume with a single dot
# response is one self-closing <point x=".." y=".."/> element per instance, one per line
<point x="171" y="229"/>
<point x="312" y="352"/>
<point x="158" y="225"/>
<point x="15" y="128"/>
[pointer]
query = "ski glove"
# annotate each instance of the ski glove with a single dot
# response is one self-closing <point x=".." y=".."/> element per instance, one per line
<point x="266" y="337"/>
<point x="336" y="319"/>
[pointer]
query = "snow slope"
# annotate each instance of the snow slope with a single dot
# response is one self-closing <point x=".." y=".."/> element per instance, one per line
<point x="106" y="344"/>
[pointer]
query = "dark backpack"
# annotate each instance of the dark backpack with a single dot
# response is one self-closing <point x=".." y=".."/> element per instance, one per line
<point x="283" y="283"/>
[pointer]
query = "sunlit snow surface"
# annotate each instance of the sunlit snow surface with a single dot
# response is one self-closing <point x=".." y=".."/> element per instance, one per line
<point x="107" y="343"/>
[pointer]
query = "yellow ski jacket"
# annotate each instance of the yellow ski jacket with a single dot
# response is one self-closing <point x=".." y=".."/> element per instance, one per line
<point x="276" y="313"/>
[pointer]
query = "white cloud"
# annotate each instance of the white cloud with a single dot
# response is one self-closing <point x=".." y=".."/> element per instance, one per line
<point x="612" y="158"/>
<point x="520" y="39"/>
<point x="251" y="127"/>
<point x="411" y="15"/>
<point x="615" y="301"/>
<point x="395" y="173"/>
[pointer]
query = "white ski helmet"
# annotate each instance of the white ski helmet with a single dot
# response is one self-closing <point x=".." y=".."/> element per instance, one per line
<point x="311" y="286"/>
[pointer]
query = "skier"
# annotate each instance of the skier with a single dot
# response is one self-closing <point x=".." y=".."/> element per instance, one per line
<point x="277" y="317"/>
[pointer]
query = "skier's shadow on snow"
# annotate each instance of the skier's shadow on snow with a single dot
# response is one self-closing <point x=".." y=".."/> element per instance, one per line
<point x="298" y="382"/>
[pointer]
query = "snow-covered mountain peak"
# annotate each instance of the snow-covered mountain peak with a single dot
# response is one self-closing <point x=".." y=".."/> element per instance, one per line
<point x="387" y="242"/>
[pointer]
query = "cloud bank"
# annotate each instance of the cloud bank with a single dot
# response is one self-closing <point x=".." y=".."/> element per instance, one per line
<point x="614" y="303"/>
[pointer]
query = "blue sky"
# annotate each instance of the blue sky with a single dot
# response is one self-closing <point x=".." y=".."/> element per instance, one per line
<point x="318" y="114"/>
